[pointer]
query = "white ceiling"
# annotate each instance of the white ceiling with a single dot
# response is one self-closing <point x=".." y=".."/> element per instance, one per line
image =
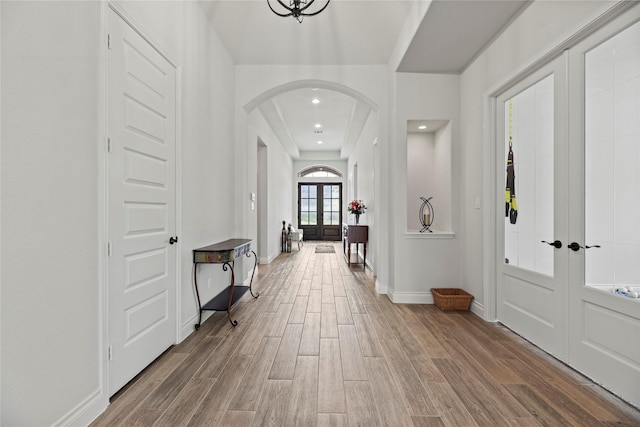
<point x="350" y="32"/>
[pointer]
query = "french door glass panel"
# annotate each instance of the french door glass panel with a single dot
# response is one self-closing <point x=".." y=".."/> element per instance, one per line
<point x="612" y="161"/>
<point x="532" y="275"/>
<point x="331" y="205"/>
<point x="529" y="189"/>
<point x="308" y="205"/>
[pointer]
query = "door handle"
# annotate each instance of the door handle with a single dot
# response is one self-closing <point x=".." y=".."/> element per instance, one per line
<point x="574" y="246"/>
<point x="556" y="243"/>
<point x="173" y="240"/>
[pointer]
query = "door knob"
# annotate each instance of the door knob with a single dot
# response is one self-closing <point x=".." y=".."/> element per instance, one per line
<point x="574" y="246"/>
<point x="173" y="240"/>
<point x="556" y="243"/>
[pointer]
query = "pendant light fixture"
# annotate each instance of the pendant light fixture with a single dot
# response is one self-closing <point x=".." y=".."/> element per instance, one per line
<point x="297" y="8"/>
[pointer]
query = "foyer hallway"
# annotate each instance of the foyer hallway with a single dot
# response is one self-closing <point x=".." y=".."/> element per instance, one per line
<point x="319" y="347"/>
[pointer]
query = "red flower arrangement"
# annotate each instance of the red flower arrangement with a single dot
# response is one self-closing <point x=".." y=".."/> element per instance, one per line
<point x="356" y="207"/>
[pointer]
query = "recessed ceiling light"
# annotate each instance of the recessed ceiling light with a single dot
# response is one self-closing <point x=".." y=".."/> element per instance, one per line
<point x="319" y="142"/>
<point x="318" y="125"/>
<point x="314" y="88"/>
<point x="315" y="101"/>
<point x="422" y="127"/>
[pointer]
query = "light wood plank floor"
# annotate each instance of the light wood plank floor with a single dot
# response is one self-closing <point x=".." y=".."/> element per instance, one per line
<point x="319" y="347"/>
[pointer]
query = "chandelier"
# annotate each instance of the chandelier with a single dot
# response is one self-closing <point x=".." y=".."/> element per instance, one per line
<point x="297" y="8"/>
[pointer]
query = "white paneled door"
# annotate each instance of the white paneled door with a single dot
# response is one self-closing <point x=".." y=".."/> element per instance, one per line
<point x="604" y="327"/>
<point x="532" y="221"/>
<point x="141" y="202"/>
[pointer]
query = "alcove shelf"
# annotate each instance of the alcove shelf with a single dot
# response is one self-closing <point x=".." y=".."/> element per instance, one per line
<point x="427" y="235"/>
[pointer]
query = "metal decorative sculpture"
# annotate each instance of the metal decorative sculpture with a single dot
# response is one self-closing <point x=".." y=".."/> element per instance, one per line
<point x="426" y="215"/>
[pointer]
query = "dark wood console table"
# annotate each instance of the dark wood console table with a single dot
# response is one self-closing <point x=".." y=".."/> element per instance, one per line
<point x="224" y="253"/>
<point x="355" y="234"/>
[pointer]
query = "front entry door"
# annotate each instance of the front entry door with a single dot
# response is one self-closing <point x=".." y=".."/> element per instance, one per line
<point x="141" y="203"/>
<point x="532" y="216"/>
<point x="320" y="210"/>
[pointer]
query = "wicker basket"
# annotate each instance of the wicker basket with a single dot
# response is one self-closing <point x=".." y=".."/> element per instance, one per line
<point x="448" y="299"/>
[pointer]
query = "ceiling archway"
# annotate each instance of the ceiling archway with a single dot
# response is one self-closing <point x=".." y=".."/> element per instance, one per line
<point x="310" y="83"/>
<point x="331" y="127"/>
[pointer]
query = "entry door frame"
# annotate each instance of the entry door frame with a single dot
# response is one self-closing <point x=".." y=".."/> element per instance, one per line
<point x="103" y="207"/>
<point x="320" y="207"/>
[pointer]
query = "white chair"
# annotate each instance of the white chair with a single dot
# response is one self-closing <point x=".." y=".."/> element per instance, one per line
<point x="296" y="236"/>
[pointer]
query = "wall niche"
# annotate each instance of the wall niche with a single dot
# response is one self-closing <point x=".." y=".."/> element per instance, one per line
<point x="429" y="173"/>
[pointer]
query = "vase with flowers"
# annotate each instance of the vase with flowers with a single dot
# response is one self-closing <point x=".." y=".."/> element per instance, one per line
<point x="357" y="207"/>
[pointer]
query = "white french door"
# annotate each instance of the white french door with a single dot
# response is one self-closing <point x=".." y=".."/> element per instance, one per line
<point x="604" y="328"/>
<point x="575" y="172"/>
<point x="532" y="230"/>
<point x="141" y="202"/>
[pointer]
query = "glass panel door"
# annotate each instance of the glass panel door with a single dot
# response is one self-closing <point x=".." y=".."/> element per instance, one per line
<point x="320" y="210"/>
<point x="532" y="211"/>
<point x="604" y="253"/>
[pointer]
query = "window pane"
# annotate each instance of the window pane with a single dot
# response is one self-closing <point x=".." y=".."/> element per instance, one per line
<point x="335" y="205"/>
<point x="326" y="206"/>
<point x="313" y="205"/>
<point x="326" y="219"/>
<point x="529" y="177"/>
<point x="313" y="193"/>
<point x="612" y="161"/>
<point x="335" y="218"/>
<point x="304" y="218"/>
<point x="313" y="218"/>
<point x="335" y="190"/>
<point x="304" y="191"/>
<point x="304" y="205"/>
<point x="326" y="191"/>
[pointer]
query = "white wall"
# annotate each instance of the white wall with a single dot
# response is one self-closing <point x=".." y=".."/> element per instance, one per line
<point x="443" y="195"/>
<point x="538" y="29"/>
<point x="422" y="261"/>
<point x="364" y="154"/>
<point x="50" y="141"/>
<point x="280" y="186"/>
<point x="52" y="75"/>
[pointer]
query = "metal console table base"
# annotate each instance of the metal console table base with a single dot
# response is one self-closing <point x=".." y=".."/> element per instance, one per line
<point x="224" y="253"/>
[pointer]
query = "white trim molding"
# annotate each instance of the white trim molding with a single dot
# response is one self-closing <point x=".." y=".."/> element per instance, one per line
<point x="411" y="297"/>
<point x="381" y="289"/>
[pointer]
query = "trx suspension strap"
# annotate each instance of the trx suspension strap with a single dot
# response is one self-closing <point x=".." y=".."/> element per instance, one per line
<point x="511" y="205"/>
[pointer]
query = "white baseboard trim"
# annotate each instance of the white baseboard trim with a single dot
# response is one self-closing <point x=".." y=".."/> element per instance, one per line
<point x="477" y="309"/>
<point x="411" y="297"/>
<point x="380" y="288"/>
<point x="269" y="259"/>
<point x="85" y="412"/>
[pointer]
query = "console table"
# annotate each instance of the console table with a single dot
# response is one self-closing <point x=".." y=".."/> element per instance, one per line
<point x="355" y="234"/>
<point x="224" y="253"/>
